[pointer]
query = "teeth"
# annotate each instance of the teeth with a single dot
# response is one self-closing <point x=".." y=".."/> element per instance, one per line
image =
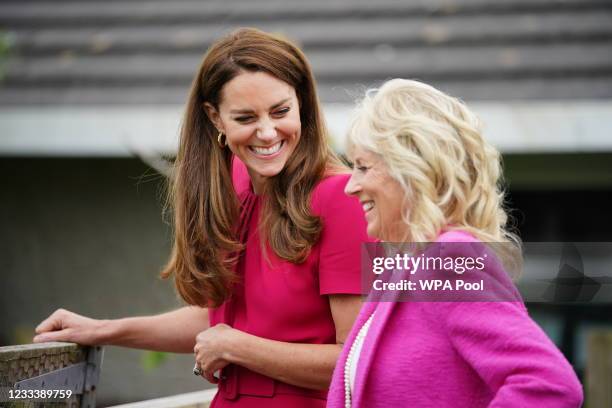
<point x="266" y="151"/>
<point x="367" y="206"/>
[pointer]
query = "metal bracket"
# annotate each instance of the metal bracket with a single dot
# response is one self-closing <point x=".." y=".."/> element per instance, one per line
<point x="94" y="366"/>
<point x="71" y="378"/>
<point x="92" y="376"/>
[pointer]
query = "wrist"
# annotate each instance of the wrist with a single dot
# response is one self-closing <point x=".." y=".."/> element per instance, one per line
<point x="235" y="345"/>
<point x="106" y="331"/>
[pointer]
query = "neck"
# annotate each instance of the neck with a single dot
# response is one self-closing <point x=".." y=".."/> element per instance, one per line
<point x="257" y="180"/>
<point x="397" y="233"/>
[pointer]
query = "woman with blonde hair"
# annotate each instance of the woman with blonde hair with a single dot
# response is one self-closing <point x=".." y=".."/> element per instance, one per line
<point x="424" y="173"/>
<point x="266" y="246"/>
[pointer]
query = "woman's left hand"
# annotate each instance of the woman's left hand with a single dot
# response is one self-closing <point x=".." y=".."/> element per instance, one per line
<point x="211" y="349"/>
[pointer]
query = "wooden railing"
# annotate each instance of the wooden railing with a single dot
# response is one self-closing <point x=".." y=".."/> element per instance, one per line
<point x="63" y="373"/>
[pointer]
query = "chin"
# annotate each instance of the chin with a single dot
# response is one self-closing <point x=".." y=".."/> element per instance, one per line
<point x="270" y="171"/>
<point x="373" y="232"/>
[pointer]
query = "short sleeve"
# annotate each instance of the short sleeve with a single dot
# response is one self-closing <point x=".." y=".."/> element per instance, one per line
<point x="344" y="230"/>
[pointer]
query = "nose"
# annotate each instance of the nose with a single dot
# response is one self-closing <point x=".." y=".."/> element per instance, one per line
<point x="352" y="187"/>
<point x="266" y="131"/>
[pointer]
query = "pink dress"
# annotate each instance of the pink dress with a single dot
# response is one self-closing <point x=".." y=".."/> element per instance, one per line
<point x="282" y="301"/>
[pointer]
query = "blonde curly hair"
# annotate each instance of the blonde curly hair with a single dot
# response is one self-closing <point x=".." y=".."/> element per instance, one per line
<point x="432" y="145"/>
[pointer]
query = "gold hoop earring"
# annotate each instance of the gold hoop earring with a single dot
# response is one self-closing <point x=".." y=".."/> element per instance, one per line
<point x="221" y="144"/>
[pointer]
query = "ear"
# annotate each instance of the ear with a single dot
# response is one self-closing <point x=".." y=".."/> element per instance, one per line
<point x="213" y="115"/>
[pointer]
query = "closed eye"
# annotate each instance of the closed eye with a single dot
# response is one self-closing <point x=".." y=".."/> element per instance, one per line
<point x="281" y="112"/>
<point x="359" y="167"/>
<point x="244" y="119"/>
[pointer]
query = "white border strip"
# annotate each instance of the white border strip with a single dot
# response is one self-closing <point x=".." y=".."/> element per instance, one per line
<point x="191" y="399"/>
<point x="521" y="127"/>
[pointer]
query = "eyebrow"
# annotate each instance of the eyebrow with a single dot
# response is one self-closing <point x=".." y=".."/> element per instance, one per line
<point x="276" y="105"/>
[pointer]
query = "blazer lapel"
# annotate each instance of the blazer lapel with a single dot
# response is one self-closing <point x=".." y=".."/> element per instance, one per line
<point x="336" y="393"/>
<point x="368" y="351"/>
<point x="370" y="344"/>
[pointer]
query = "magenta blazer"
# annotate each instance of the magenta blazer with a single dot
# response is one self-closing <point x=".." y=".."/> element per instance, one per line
<point x="455" y="354"/>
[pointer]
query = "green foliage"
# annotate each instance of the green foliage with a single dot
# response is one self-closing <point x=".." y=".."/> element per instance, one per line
<point x="22" y="334"/>
<point x="153" y="359"/>
<point x="7" y="42"/>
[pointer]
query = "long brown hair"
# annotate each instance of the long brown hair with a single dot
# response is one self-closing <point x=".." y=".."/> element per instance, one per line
<point x="206" y="208"/>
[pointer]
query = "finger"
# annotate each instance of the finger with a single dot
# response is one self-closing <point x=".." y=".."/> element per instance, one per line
<point x="212" y="371"/>
<point x="207" y="372"/>
<point x="207" y="375"/>
<point x="61" y="335"/>
<point x="51" y="323"/>
<point x="199" y="362"/>
<point x="210" y="377"/>
<point x="198" y="359"/>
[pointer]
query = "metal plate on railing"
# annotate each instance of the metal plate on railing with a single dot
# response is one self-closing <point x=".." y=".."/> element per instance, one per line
<point x="68" y="378"/>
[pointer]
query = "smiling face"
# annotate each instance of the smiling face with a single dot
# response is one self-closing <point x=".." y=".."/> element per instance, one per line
<point x="381" y="196"/>
<point x="260" y="117"/>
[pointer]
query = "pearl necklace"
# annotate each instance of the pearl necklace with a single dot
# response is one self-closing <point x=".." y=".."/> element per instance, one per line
<point x="350" y="360"/>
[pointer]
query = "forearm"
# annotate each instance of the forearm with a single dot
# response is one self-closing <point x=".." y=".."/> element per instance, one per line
<point x="174" y="331"/>
<point x="305" y="365"/>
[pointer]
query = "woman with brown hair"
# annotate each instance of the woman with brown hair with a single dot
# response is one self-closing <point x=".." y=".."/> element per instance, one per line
<point x="266" y="249"/>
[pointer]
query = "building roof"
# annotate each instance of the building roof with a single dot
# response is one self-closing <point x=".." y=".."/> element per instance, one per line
<point x="146" y="52"/>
